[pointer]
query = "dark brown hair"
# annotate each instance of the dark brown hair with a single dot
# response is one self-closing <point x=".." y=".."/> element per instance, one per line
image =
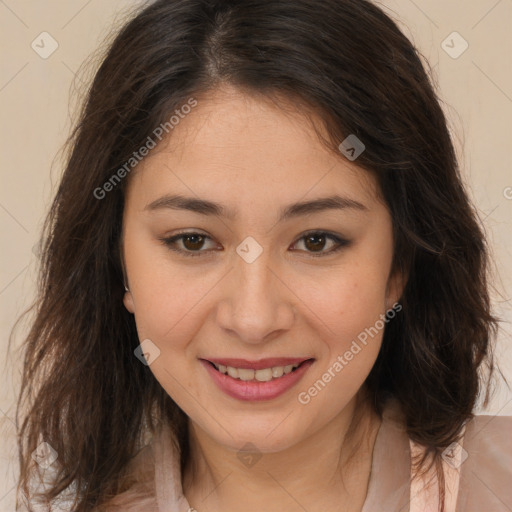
<point x="86" y="394"/>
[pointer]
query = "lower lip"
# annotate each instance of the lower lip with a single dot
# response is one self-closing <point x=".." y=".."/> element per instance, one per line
<point x="253" y="390"/>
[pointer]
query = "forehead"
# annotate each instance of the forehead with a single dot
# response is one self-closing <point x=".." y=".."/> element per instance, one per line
<point x="233" y="145"/>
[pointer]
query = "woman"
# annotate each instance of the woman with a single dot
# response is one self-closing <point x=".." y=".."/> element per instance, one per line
<point x="263" y="284"/>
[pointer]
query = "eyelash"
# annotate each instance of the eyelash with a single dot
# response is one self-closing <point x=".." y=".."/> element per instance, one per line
<point x="170" y="241"/>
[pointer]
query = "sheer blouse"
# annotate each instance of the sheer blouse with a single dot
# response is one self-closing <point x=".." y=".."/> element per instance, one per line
<point x="478" y="472"/>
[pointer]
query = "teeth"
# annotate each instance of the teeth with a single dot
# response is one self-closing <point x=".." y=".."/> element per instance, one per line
<point x="263" y="375"/>
<point x="277" y="371"/>
<point x="245" y="374"/>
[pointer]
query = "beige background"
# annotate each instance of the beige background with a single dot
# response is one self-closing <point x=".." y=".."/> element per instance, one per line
<point x="475" y="89"/>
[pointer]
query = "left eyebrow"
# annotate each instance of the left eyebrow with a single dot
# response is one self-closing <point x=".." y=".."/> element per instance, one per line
<point x="205" y="207"/>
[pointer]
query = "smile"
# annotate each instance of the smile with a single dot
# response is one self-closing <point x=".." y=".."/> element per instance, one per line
<point x="259" y="380"/>
<point x="264" y="375"/>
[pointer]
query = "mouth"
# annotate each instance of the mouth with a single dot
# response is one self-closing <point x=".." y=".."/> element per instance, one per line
<point x="256" y="380"/>
<point x="257" y="371"/>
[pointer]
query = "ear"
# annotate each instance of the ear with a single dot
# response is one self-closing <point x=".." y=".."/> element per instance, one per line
<point x="395" y="287"/>
<point x="128" y="301"/>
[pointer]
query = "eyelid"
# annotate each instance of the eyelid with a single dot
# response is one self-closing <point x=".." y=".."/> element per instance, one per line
<point x="169" y="241"/>
<point x="341" y="243"/>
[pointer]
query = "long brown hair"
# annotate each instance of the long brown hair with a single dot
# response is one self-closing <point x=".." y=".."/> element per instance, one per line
<point x="83" y="391"/>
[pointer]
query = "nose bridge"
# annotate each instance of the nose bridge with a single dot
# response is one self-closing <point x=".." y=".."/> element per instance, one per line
<point x="257" y="303"/>
<point x="255" y="280"/>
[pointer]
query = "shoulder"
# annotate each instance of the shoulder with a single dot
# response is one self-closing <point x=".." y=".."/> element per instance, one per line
<point x="137" y="487"/>
<point x="486" y="464"/>
<point x="489" y="437"/>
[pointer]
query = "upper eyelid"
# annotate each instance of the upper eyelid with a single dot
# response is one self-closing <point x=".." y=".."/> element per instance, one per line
<point x="338" y="239"/>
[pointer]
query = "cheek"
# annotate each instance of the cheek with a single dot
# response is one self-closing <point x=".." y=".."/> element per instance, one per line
<point x="347" y="299"/>
<point x="346" y="308"/>
<point x="167" y="295"/>
<point x="165" y="314"/>
<point x="347" y="321"/>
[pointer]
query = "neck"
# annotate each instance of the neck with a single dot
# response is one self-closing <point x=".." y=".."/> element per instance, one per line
<point x="329" y="470"/>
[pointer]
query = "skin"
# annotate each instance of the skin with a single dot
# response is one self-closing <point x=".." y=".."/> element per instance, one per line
<point x="255" y="158"/>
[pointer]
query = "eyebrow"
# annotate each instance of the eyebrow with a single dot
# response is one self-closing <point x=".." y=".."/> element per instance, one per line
<point x="205" y="207"/>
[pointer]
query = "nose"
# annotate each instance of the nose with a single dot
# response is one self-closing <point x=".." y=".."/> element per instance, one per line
<point x="257" y="304"/>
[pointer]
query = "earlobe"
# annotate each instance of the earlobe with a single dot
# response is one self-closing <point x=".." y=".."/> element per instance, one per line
<point x="395" y="288"/>
<point x="128" y="301"/>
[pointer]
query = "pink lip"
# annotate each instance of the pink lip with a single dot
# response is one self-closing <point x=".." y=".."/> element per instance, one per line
<point x="254" y="390"/>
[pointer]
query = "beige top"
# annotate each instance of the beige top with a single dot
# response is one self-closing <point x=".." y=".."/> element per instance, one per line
<point x="478" y="473"/>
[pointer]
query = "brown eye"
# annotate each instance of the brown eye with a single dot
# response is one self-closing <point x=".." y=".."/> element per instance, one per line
<point x="316" y="241"/>
<point x="192" y="243"/>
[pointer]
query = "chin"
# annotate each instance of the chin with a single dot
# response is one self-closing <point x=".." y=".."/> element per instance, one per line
<point x="268" y="437"/>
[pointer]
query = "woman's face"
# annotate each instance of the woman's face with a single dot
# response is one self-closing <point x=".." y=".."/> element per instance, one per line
<point x="272" y="276"/>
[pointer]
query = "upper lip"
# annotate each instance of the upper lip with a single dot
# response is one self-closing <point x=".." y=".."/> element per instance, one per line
<point x="257" y="365"/>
